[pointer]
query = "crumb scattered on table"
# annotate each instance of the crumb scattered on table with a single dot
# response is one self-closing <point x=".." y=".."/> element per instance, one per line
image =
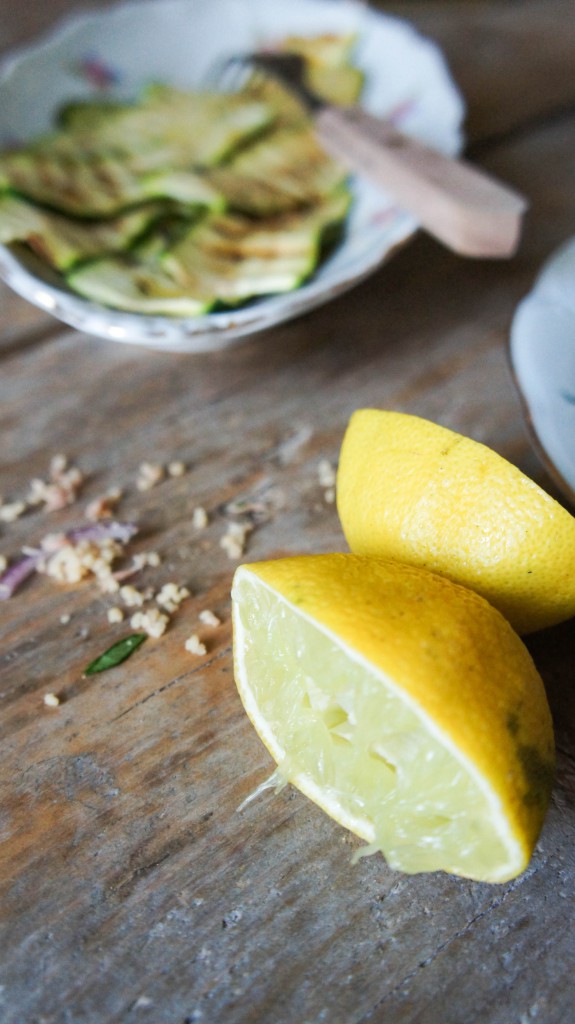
<point x="199" y="518"/>
<point x="61" y="488"/>
<point x="12" y="510"/>
<point x="152" y="621"/>
<point x="131" y="596"/>
<point x="209" y="618"/>
<point x="150" y="474"/>
<point x="103" y="506"/>
<point x="171" y="596"/>
<point x="234" y="540"/>
<point x="194" y="645"/>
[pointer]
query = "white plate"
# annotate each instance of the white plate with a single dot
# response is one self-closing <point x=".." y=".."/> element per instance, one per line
<point x="117" y="51"/>
<point x="542" y="348"/>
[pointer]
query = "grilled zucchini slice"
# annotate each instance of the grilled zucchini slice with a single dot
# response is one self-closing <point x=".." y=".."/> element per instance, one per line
<point x="97" y="185"/>
<point x="285" y="170"/>
<point x="223" y="260"/>
<point x="61" y="241"/>
<point x="131" y="284"/>
<point x="169" y="128"/>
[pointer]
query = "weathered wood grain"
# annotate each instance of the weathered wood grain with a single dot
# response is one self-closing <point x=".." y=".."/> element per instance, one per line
<point x="131" y="888"/>
<point x="509" y="59"/>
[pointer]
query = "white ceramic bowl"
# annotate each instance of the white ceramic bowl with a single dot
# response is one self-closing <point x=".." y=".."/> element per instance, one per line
<point x="113" y="53"/>
<point x="542" y="348"/>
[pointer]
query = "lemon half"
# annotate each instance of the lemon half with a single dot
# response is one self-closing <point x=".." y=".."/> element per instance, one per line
<point x="401" y="703"/>
<point x="417" y="492"/>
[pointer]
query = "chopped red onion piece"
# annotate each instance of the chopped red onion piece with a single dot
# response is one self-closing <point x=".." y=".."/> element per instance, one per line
<point x="103" y="529"/>
<point x="17" y="573"/>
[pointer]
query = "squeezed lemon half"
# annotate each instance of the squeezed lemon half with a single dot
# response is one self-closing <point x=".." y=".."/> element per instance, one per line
<point x="417" y="492"/>
<point x="401" y="703"/>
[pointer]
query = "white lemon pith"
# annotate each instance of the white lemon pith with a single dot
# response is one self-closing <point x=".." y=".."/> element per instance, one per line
<point x="417" y="492"/>
<point x="403" y="704"/>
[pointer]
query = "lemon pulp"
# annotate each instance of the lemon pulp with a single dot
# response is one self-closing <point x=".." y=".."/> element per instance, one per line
<point x="357" y="744"/>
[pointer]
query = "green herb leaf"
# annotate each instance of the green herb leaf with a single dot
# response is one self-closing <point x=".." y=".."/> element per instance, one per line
<point x="115" y="654"/>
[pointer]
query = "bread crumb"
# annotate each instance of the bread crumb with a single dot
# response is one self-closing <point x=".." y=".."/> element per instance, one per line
<point x="171" y="596"/>
<point x="64" y="619"/>
<point x="62" y="487"/>
<point x="109" y="585"/>
<point x="51" y="542"/>
<point x="12" y="510"/>
<point x="58" y="463"/>
<point x="151" y="473"/>
<point x="103" y="506"/>
<point x="209" y="618"/>
<point x="70" y="562"/>
<point x="131" y="596"/>
<point x="329" y="495"/>
<point x="176" y="468"/>
<point x="115" y="614"/>
<point x="51" y="700"/>
<point x="152" y="621"/>
<point x="150" y="558"/>
<point x="326" y="473"/>
<point x="66" y="565"/>
<point x="199" y="518"/>
<point x="194" y="645"/>
<point x="234" y="540"/>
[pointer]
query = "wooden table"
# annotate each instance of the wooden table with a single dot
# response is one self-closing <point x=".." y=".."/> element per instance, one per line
<point x="132" y="889"/>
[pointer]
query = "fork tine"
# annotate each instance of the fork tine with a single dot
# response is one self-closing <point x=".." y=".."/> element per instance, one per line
<point x="287" y="68"/>
<point x="229" y="74"/>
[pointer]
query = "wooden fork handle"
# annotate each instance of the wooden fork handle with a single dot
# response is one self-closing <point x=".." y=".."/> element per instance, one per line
<point x="461" y="206"/>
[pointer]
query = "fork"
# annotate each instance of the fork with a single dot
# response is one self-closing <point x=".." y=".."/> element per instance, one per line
<point x="466" y="209"/>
